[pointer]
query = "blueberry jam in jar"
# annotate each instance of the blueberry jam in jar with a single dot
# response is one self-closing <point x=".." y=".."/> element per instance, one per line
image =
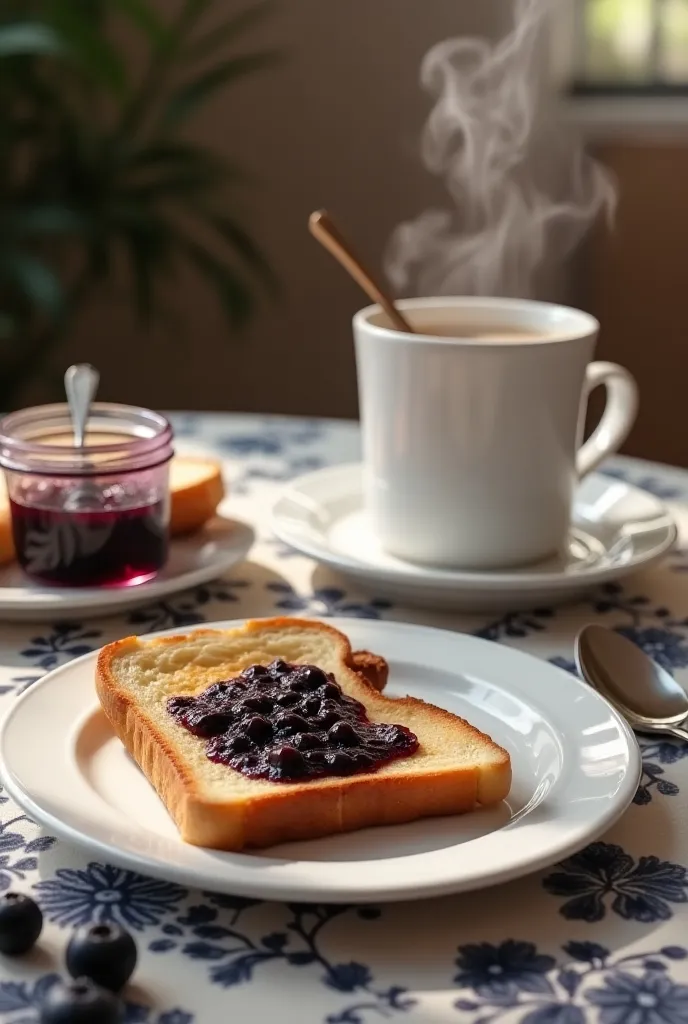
<point x="91" y="516"/>
<point x="289" y="723"/>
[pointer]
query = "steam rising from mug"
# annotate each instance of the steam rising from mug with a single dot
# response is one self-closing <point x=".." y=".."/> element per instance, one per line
<point x="523" y="188"/>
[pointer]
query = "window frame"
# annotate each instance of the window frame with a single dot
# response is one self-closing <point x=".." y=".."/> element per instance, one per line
<point x="570" y="34"/>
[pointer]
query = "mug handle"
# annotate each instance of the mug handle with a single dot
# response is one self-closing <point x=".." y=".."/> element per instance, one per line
<point x="617" y="419"/>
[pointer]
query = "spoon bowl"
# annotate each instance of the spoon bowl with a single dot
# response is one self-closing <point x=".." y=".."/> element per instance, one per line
<point x="645" y="693"/>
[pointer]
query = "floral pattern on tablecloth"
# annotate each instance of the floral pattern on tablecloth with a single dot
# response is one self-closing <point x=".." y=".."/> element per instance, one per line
<point x="599" y="939"/>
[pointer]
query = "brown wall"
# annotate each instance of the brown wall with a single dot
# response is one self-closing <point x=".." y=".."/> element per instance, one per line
<point x="339" y="126"/>
<point x="636" y="280"/>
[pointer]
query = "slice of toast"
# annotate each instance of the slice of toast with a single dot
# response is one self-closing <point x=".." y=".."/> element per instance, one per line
<point x="196" y="489"/>
<point x="7" y="550"/>
<point x="454" y="769"/>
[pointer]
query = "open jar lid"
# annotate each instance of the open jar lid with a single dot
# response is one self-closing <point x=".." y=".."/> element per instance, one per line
<point x="119" y="439"/>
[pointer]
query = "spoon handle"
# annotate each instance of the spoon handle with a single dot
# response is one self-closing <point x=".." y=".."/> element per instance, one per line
<point x="81" y="384"/>
<point x="679" y="731"/>
<point x="323" y="228"/>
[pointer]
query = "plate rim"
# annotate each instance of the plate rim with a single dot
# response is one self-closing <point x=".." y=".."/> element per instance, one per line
<point x="450" y="579"/>
<point x="279" y="889"/>
<point x="48" y="600"/>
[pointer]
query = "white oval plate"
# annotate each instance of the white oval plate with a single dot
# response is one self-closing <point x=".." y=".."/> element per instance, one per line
<point x="576" y="767"/>
<point x="616" y="529"/>
<point x="196" y="559"/>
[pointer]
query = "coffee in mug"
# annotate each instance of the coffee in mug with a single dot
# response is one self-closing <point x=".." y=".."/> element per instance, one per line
<point x="477" y="332"/>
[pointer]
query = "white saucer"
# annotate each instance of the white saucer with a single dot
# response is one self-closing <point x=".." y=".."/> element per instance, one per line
<point x="195" y="559"/>
<point x="616" y="530"/>
<point x="61" y="762"/>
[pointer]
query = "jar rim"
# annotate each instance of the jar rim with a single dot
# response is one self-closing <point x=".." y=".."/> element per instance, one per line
<point x="150" y="440"/>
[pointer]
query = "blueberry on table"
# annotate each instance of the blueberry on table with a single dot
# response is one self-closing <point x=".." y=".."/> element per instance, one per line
<point x="80" y="1002"/>
<point x="21" y="922"/>
<point x="105" y="953"/>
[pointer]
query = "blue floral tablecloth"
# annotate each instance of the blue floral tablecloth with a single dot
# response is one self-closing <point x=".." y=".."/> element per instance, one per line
<point x="602" y="937"/>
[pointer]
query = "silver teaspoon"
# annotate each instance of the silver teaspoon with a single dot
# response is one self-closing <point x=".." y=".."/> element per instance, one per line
<point x="648" y="697"/>
<point x="81" y="383"/>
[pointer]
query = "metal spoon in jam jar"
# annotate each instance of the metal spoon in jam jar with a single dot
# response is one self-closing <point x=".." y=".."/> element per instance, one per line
<point x="81" y="383"/>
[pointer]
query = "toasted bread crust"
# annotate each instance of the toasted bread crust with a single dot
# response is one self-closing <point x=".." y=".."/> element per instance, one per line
<point x="193" y="505"/>
<point x="292" y="811"/>
<point x="373" y="667"/>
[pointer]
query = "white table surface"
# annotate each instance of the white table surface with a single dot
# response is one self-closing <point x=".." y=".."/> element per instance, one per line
<point x="601" y="938"/>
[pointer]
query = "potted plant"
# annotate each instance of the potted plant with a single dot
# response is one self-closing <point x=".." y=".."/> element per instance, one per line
<point x="97" y="169"/>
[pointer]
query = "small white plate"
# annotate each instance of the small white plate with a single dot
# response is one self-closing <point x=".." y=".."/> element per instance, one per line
<point x="193" y="560"/>
<point x="576" y="767"/>
<point x="616" y="530"/>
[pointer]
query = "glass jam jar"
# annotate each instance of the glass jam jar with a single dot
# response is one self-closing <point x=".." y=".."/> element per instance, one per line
<point x="91" y="516"/>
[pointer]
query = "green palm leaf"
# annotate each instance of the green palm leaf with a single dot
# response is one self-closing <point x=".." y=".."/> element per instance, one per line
<point x="143" y="254"/>
<point x="30" y="39"/>
<point x="186" y="100"/>
<point x="143" y="15"/>
<point x="8" y="327"/>
<point x="238" y="239"/>
<point x="94" y="168"/>
<point x="210" y="42"/>
<point x="38" y="283"/>
<point x="175" y="183"/>
<point x="41" y="219"/>
<point x="88" y="44"/>
<point x="181" y="167"/>
<point x="165" y="152"/>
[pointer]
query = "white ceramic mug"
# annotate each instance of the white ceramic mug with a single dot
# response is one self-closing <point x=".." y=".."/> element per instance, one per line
<point x="472" y="445"/>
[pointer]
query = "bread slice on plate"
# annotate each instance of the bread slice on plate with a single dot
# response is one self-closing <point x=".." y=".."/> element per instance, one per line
<point x="196" y="489"/>
<point x="7" y="551"/>
<point x="453" y="768"/>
